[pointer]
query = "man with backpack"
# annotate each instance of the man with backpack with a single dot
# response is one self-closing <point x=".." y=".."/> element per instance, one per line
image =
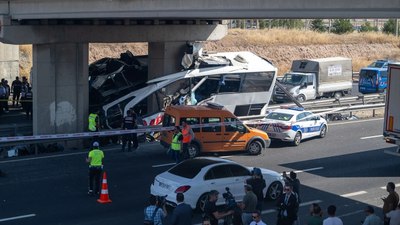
<point x="155" y="212"/>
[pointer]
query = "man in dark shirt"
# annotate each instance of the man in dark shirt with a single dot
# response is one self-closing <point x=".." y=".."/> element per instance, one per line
<point x="16" y="87"/>
<point x="129" y="123"/>
<point x="210" y="209"/>
<point x="257" y="182"/>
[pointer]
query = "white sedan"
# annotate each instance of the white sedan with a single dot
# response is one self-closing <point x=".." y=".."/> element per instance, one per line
<point x="292" y="125"/>
<point x="196" y="177"/>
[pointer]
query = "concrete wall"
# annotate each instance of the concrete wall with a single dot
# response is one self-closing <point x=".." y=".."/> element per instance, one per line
<point x="9" y="62"/>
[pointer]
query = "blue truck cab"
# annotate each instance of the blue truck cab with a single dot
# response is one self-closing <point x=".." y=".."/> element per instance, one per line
<point x="373" y="79"/>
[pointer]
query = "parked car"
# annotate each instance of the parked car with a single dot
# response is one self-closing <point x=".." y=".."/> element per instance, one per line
<point x="292" y="125"/>
<point x="196" y="177"/>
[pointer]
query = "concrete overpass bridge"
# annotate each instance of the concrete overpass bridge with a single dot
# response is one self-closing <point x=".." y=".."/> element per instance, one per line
<point x="60" y="31"/>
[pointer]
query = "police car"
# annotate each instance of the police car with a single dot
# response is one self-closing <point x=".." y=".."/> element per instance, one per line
<point x="293" y="125"/>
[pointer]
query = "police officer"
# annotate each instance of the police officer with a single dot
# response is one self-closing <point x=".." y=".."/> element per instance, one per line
<point x="95" y="160"/>
<point x="94" y="123"/>
<point x="176" y="144"/>
<point x="129" y="123"/>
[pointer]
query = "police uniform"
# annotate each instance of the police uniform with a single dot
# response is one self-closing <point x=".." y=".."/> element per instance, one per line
<point x="129" y="123"/>
<point x="93" y="121"/>
<point x="176" y="146"/>
<point x="95" y="159"/>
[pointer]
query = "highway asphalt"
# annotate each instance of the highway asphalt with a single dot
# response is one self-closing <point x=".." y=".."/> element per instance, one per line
<point x="347" y="168"/>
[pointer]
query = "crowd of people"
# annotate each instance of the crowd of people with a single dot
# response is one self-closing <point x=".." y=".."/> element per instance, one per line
<point x="21" y="93"/>
<point x="248" y="211"/>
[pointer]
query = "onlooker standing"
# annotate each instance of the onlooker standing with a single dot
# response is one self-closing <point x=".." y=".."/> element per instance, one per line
<point x="3" y="93"/>
<point x="95" y="160"/>
<point x="176" y="144"/>
<point x="248" y="205"/>
<point x="155" y="212"/>
<point x="27" y="104"/>
<point x="287" y="207"/>
<point x="8" y="93"/>
<point x="187" y="134"/>
<point x="182" y="214"/>
<point x="394" y="216"/>
<point x="316" y="215"/>
<point x="371" y="218"/>
<point x="16" y="87"/>
<point x="256" y="216"/>
<point x="129" y="123"/>
<point x="210" y="209"/>
<point x="390" y="202"/>
<point x="332" y="219"/>
<point x="296" y="184"/>
<point x="258" y="183"/>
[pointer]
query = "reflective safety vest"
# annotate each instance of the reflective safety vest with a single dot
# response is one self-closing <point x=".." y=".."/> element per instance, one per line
<point x="96" y="156"/>
<point x="176" y="144"/>
<point x="92" y="122"/>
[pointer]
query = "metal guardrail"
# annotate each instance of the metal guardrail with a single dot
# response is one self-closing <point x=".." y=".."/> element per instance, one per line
<point x="329" y="106"/>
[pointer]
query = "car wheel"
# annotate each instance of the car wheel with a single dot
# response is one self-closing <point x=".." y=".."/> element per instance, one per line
<point x="254" y="148"/>
<point x="202" y="202"/>
<point x="337" y="95"/>
<point x="322" y="134"/>
<point x="297" y="139"/>
<point x="193" y="150"/>
<point x="301" y="98"/>
<point x="274" y="191"/>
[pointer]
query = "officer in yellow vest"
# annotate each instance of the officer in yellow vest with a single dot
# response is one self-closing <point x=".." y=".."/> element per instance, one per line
<point x="94" y="124"/>
<point x="176" y="144"/>
<point x="95" y="160"/>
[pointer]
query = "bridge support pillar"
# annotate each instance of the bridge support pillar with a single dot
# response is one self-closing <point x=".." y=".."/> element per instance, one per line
<point x="60" y="88"/>
<point x="164" y="58"/>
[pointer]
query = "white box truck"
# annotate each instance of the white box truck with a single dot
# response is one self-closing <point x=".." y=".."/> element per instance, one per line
<point x="391" y="126"/>
<point x="315" y="78"/>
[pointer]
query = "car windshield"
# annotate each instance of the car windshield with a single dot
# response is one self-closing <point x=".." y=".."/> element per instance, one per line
<point x="190" y="168"/>
<point x="294" y="79"/>
<point x="279" y="116"/>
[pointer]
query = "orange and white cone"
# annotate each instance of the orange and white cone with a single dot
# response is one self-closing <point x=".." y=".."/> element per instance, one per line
<point x="104" y="198"/>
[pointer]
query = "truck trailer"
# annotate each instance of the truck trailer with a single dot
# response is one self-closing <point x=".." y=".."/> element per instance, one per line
<point x="391" y="126"/>
<point x="316" y="78"/>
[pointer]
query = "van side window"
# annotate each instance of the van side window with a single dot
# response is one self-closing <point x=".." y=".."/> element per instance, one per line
<point x="234" y="127"/>
<point x="191" y="121"/>
<point x="229" y="83"/>
<point x="309" y="80"/>
<point x="206" y="120"/>
<point x="169" y="121"/>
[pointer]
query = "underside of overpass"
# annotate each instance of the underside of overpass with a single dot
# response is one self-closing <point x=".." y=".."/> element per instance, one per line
<point x="60" y="31"/>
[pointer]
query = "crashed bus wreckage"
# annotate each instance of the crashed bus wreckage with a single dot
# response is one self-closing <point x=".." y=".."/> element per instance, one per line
<point x="240" y="81"/>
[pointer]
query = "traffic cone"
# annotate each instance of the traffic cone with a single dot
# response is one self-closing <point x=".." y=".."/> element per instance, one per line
<point x="104" y="198"/>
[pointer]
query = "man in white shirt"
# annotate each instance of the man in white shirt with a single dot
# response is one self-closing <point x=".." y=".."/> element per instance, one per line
<point x="257" y="218"/>
<point x="332" y="219"/>
<point x="394" y="216"/>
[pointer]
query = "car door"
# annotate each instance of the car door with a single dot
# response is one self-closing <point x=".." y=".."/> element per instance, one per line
<point x="211" y="137"/>
<point x="218" y="178"/>
<point x="313" y="124"/>
<point x="240" y="175"/>
<point x="234" y="135"/>
<point x="309" y="89"/>
<point x="303" y="123"/>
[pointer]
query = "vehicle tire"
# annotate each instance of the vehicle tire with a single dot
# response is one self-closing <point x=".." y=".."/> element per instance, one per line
<point x="274" y="191"/>
<point x="322" y="134"/>
<point x="297" y="139"/>
<point x="337" y="95"/>
<point x="193" y="150"/>
<point x="254" y="148"/>
<point x="301" y="98"/>
<point x="201" y="202"/>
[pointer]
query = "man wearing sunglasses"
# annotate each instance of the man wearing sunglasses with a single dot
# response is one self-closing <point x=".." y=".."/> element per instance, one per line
<point x="257" y="219"/>
<point x="288" y="206"/>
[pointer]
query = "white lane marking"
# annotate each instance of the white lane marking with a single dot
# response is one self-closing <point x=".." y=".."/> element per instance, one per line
<point x="355" y="121"/>
<point x="161" y="165"/>
<point x="354" y="194"/>
<point x="351" y="213"/>
<point x="369" y="137"/>
<point x="306" y="170"/>
<point x="17" y="217"/>
<point x="397" y="185"/>
<point x="301" y="205"/>
<point x="54" y="156"/>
